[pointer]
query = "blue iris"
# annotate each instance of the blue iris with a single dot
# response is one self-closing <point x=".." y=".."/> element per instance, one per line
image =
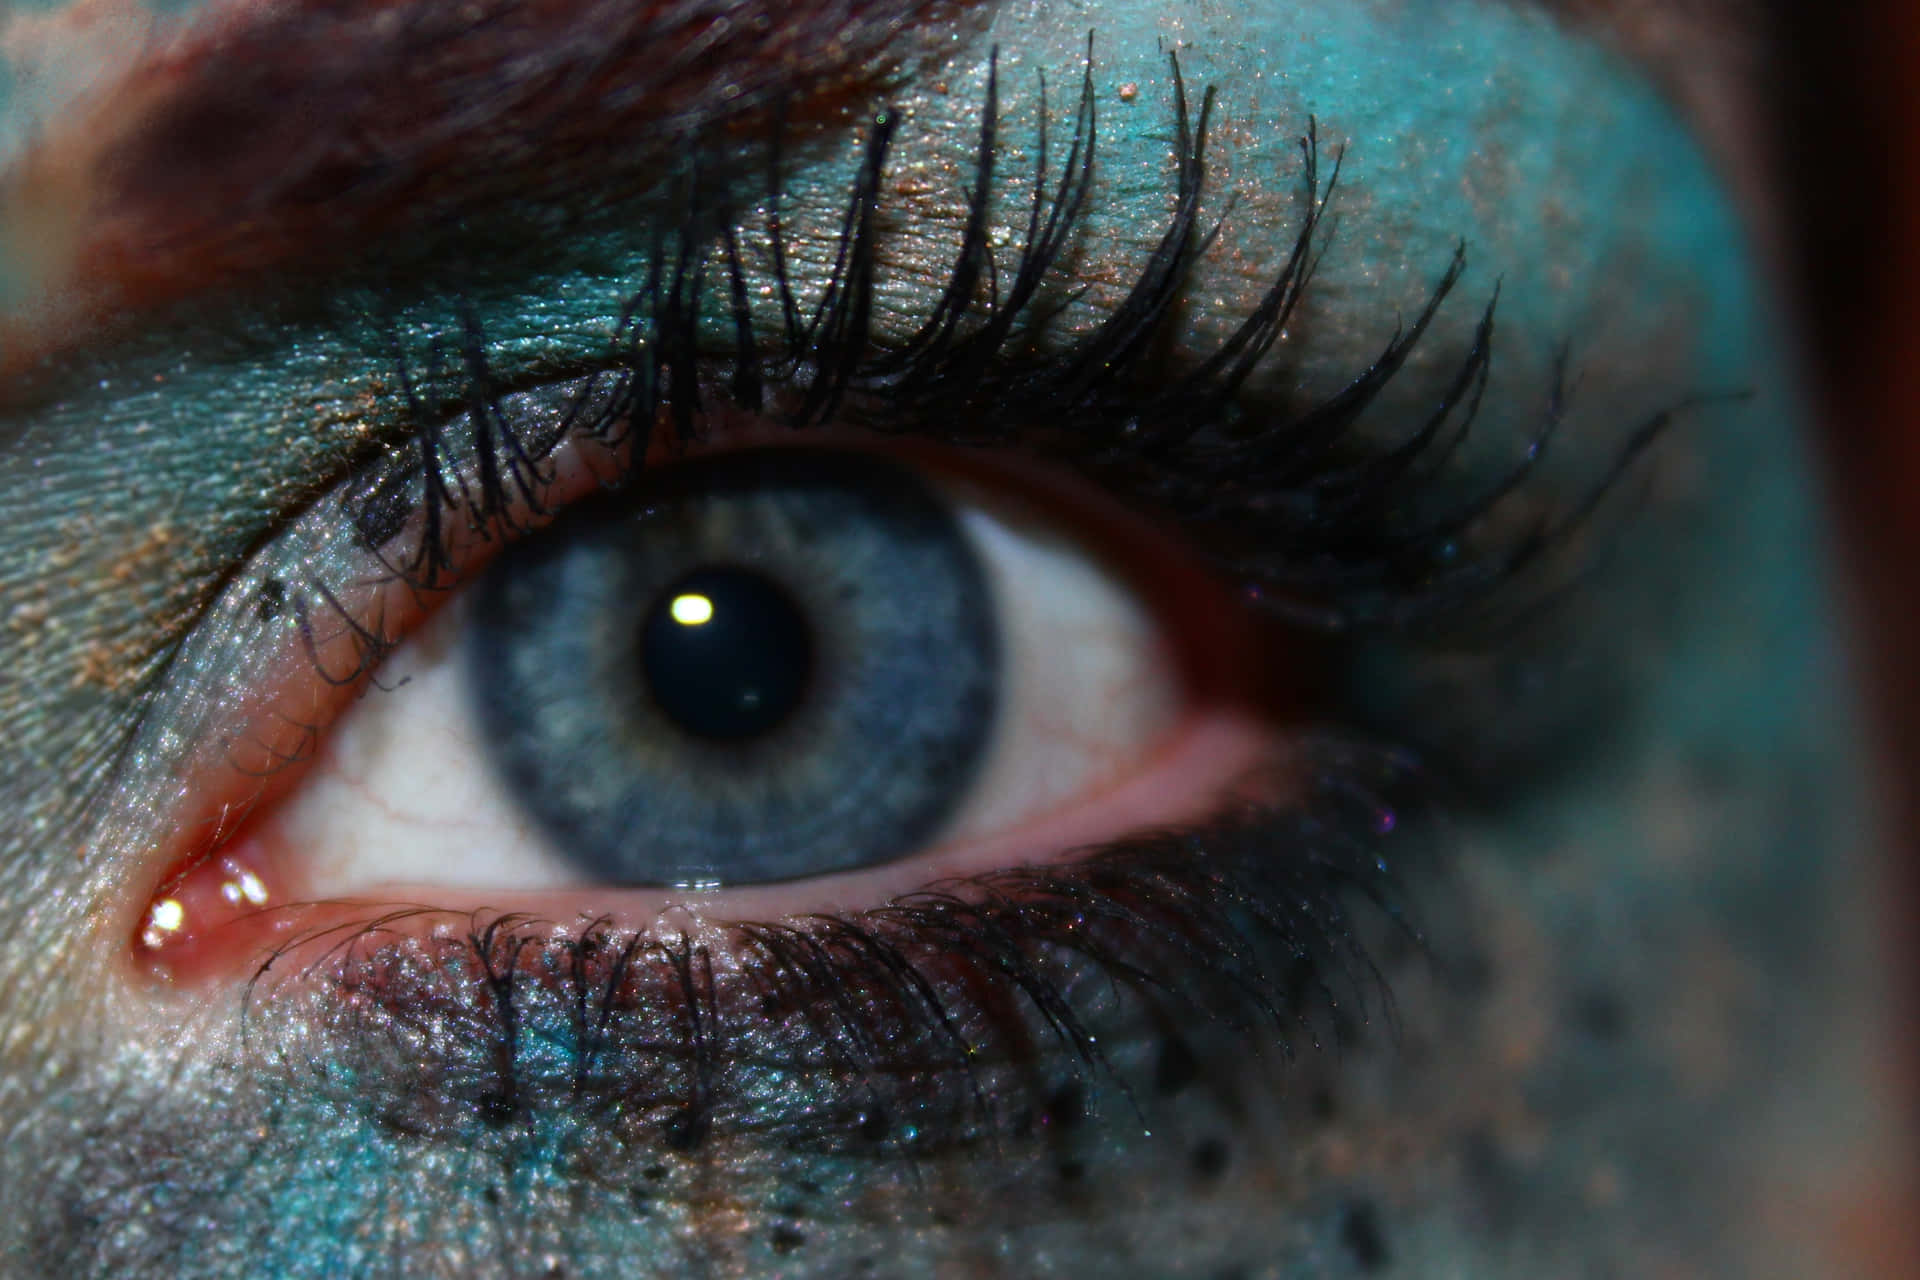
<point x="758" y="667"/>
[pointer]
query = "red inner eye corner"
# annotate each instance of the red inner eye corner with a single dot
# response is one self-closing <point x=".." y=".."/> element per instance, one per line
<point x="234" y="884"/>
<point x="232" y="898"/>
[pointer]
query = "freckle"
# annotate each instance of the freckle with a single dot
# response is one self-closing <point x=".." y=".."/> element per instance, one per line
<point x="786" y="1239"/>
<point x="1210" y="1159"/>
<point x="497" y="1110"/>
<point x="1361" y="1236"/>
<point x="686" y="1131"/>
<point x="1176" y="1068"/>
<point x="1065" y="1109"/>
<point x="1601" y="1015"/>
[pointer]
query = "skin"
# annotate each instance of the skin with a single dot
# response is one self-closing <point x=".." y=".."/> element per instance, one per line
<point x="1650" y="1038"/>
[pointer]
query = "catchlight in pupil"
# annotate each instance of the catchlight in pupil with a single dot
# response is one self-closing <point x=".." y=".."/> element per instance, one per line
<point x="692" y="610"/>
<point x="727" y="654"/>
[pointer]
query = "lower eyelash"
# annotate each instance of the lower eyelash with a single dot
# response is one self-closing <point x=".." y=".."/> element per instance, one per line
<point x="912" y="1028"/>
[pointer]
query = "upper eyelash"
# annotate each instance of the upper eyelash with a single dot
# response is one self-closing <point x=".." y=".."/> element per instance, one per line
<point x="1319" y="525"/>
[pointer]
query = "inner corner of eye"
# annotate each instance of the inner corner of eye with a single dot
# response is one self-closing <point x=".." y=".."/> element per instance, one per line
<point x="762" y="683"/>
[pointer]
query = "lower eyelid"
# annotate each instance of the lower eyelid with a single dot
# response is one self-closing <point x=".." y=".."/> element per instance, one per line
<point x="257" y="902"/>
<point x="904" y="1029"/>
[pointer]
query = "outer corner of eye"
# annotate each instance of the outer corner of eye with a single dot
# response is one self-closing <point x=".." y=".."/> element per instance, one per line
<point x="753" y="685"/>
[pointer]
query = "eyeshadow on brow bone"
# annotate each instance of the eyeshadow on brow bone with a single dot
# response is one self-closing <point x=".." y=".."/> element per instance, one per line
<point x="264" y="133"/>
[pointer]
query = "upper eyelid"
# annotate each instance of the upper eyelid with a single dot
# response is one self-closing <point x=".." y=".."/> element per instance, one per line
<point x="1415" y="276"/>
<point x="962" y="366"/>
<point x="1065" y="193"/>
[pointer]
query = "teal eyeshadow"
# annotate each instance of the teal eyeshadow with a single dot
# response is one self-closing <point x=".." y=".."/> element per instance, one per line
<point x="1569" y="181"/>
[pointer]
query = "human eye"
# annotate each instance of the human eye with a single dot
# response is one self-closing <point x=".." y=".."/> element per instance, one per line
<point x="1290" y="722"/>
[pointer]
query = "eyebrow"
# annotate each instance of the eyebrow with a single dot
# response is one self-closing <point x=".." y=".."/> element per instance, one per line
<point x="264" y="133"/>
<point x="274" y="131"/>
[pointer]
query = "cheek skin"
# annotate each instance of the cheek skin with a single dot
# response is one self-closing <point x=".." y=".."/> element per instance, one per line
<point x="1661" y="1019"/>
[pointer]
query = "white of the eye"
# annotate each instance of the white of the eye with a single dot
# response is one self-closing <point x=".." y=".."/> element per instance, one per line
<point x="1088" y="681"/>
<point x="403" y="792"/>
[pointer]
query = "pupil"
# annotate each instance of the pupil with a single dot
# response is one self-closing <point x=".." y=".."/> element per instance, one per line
<point x="726" y="653"/>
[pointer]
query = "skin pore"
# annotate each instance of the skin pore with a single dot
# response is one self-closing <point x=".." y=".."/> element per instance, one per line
<point x="1641" y="1035"/>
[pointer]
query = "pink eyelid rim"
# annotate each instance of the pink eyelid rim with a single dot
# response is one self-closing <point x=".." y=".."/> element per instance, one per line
<point x="248" y="904"/>
<point x="237" y="897"/>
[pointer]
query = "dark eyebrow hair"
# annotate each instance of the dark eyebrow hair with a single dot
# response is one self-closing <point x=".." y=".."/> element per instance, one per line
<point x="274" y="131"/>
<point x="268" y="132"/>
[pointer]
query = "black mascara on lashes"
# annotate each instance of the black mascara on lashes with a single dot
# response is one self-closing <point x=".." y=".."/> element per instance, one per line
<point x="1246" y="916"/>
<point x="1324" y="525"/>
